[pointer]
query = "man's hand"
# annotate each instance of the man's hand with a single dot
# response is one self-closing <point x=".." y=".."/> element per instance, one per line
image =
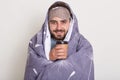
<point x="59" y="52"/>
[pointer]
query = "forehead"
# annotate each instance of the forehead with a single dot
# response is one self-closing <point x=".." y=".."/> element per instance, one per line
<point x="58" y="19"/>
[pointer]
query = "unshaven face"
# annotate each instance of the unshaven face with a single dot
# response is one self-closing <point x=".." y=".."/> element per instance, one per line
<point x="59" y="27"/>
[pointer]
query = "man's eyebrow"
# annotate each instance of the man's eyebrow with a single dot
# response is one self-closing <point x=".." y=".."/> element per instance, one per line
<point x="52" y="20"/>
<point x="64" y="20"/>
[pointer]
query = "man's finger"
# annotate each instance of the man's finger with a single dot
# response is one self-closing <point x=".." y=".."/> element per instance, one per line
<point x="60" y="51"/>
<point x="61" y="57"/>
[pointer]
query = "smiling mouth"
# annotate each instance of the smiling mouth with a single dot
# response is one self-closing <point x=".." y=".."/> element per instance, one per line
<point x="59" y="32"/>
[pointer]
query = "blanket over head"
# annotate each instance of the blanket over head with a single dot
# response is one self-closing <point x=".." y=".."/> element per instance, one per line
<point x="78" y="65"/>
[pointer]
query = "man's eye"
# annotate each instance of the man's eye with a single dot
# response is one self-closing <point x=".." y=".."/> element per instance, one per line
<point x="53" y="22"/>
<point x="64" y="21"/>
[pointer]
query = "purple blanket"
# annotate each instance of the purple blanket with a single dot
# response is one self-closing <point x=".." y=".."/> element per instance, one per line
<point x="78" y="66"/>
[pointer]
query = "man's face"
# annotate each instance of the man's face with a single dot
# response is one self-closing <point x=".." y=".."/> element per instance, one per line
<point x="59" y="27"/>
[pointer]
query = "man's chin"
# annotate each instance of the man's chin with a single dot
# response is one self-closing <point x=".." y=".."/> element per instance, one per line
<point x="58" y="38"/>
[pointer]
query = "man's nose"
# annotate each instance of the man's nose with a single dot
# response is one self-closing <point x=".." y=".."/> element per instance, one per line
<point x="59" y="26"/>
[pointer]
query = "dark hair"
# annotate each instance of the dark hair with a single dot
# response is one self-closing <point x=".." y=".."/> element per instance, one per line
<point x="61" y="4"/>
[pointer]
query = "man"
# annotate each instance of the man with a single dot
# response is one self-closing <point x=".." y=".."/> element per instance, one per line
<point x="49" y="60"/>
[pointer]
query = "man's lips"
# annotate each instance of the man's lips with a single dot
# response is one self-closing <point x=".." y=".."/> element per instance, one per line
<point x="59" y="30"/>
<point x="59" y="33"/>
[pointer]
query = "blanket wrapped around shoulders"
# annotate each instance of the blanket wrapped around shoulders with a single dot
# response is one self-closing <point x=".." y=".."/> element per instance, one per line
<point x="78" y="66"/>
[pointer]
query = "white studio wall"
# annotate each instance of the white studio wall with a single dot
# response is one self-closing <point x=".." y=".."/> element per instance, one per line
<point x="99" y="22"/>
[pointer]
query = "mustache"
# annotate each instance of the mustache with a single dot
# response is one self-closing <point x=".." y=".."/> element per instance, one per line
<point x="59" y="30"/>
